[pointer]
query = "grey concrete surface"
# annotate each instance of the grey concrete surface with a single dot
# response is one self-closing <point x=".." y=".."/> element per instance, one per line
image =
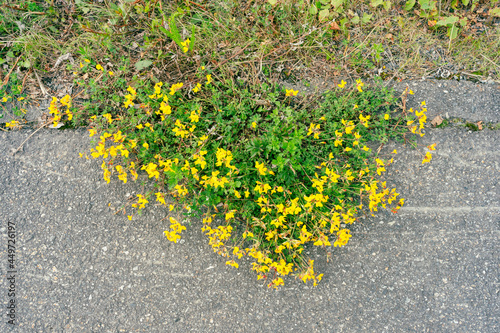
<point x="433" y="267"/>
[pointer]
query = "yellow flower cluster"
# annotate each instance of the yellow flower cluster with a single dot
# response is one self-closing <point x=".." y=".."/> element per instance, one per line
<point x="152" y="170"/>
<point x="185" y="45"/>
<point x="310" y="275"/>
<point x="57" y="115"/>
<point x="175" y="87"/>
<point x="214" y="181"/>
<point x="157" y="91"/>
<point x="129" y="99"/>
<point x="314" y="129"/>
<point x="12" y="124"/>
<point x="141" y="201"/>
<point x="216" y="237"/>
<point x="175" y="233"/>
<point x="181" y="130"/>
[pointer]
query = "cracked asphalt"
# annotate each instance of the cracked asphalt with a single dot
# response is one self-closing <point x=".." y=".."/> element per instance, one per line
<point x="433" y="267"/>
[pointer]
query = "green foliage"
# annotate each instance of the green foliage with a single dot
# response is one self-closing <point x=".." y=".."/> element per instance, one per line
<point x="283" y="172"/>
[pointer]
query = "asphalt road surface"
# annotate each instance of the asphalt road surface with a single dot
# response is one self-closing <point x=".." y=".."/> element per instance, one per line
<point x="433" y="267"/>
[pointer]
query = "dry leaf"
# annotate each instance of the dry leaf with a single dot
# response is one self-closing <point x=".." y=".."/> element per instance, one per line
<point x="480" y="125"/>
<point x="334" y="26"/>
<point x="436" y="121"/>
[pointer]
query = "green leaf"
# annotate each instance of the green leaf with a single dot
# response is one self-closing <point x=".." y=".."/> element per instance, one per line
<point x="272" y="2"/>
<point x="447" y="21"/>
<point x="465" y="2"/>
<point x="313" y="10"/>
<point x="323" y="14"/>
<point x="355" y="19"/>
<point x="495" y="12"/>
<point x="427" y="4"/>
<point x="409" y="5"/>
<point x="140" y="65"/>
<point x="453" y="32"/>
<point x="376" y="3"/>
<point x="336" y="3"/>
<point x="366" y="17"/>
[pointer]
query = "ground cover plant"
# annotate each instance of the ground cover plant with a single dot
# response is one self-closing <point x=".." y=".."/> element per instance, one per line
<point x="190" y="94"/>
<point x="283" y="172"/>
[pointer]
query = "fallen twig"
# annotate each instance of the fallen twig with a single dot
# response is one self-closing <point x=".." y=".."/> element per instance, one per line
<point x="22" y="144"/>
<point x="6" y="80"/>
<point x="44" y="91"/>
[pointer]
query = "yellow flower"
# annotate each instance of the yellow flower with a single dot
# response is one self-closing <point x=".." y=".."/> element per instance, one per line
<point x="386" y="116"/>
<point x="185" y="45"/>
<point x="291" y="92"/>
<point x="111" y="73"/>
<point x="254" y="124"/>
<point x="86" y="60"/>
<point x="197" y="88"/>
<point x="13" y="124"/>
<point x="261" y="168"/>
<point x="359" y="84"/>
<point x="194" y="117"/>
<point x="209" y="79"/>
<point x="230" y="215"/>
<point x="342" y="84"/>
<point x="432" y="147"/>
<point x="176" y="87"/>
<point x="145" y="145"/>
<point x="232" y="263"/>
<point x="99" y="67"/>
<point x="427" y="158"/>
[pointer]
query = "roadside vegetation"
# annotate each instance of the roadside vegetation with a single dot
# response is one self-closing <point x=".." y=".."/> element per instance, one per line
<point x="190" y="94"/>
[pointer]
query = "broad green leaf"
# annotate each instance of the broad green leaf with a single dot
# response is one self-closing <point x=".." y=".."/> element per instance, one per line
<point x="453" y="32"/>
<point x="446" y="21"/>
<point x="313" y="10"/>
<point x="336" y="3"/>
<point x="323" y="14"/>
<point x="495" y="12"/>
<point x="355" y="19"/>
<point x="366" y="17"/>
<point x="409" y="5"/>
<point x="465" y="2"/>
<point x="376" y="3"/>
<point x="427" y="4"/>
<point x="140" y="65"/>
<point x="272" y="2"/>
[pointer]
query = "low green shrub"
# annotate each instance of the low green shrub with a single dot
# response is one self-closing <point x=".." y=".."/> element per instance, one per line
<point x="267" y="171"/>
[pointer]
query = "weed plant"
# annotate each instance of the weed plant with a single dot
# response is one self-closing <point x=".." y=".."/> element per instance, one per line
<point x="267" y="176"/>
